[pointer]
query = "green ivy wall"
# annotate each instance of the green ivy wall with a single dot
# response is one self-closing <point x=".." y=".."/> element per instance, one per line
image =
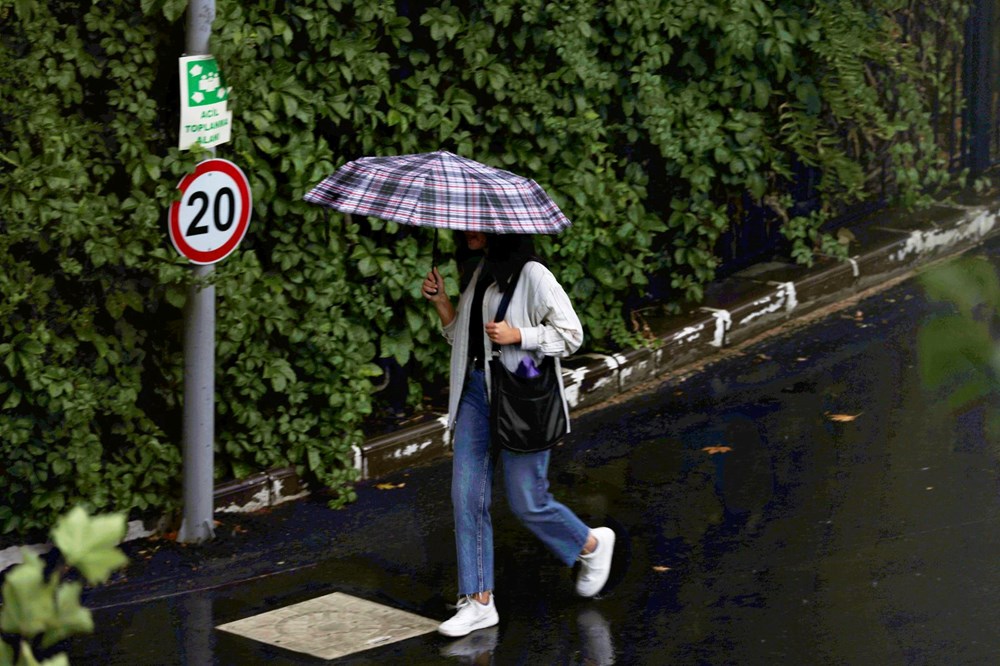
<point x="649" y="121"/>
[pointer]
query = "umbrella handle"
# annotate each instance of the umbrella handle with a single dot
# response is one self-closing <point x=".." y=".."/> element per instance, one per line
<point x="434" y="259"/>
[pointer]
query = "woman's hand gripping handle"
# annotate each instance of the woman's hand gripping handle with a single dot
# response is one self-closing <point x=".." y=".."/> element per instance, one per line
<point x="433" y="290"/>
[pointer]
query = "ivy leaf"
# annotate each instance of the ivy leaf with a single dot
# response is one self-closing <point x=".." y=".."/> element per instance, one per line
<point x="90" y="544"/>
<point x="25" y="9"/>
<point x="281" y="374"/>
<point x="71" y="618"/>
<point x="13" y="400"/>
<point x="368" y="266"/>
<point x="415" y="321"/>
<point x="967" y="283"/>
<point x="950" y="345"/>
<point x="398" y="346"/>
<point x="176" y="295"/>
<point x="28" y="602"/>
<point x="174" y="9"/>
<point x="605" y="275"/>
<point x="761" y="92"/>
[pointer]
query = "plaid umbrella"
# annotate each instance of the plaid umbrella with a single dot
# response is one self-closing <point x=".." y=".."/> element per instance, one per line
<point x="440" y="190"/>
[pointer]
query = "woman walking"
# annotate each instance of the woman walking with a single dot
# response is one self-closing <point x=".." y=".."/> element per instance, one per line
<point x="540" y="322"/>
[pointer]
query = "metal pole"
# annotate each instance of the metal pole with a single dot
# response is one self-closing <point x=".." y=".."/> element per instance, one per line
<point x="199" y="355"/>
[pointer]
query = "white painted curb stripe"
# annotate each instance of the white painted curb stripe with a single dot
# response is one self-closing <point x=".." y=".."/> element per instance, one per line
<point x="723" y="322"/>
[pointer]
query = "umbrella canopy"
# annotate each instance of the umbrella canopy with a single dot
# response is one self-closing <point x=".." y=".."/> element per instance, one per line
<point x="440" y="190"/>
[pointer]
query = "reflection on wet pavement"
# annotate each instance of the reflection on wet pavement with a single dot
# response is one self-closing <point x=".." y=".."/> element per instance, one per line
<point x="476" y="648"/>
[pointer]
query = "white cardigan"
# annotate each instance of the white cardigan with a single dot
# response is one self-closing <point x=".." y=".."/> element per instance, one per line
<point x="542" y="311"/>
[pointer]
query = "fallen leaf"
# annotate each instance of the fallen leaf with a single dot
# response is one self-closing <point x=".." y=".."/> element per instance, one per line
<point x="389" y="486"/>
<point x="659" y="569"/>
<point x="712" y="450"/>
<point x="843" y="418"/>
<point x="845" y="236"/>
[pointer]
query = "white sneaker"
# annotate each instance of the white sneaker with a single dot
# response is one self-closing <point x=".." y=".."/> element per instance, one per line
<point x="471" y="616"/>
<point x="596" y="566"/>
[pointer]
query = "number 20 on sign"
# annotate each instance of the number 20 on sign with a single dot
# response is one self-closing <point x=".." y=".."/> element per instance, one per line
<point x="213" y="213"/>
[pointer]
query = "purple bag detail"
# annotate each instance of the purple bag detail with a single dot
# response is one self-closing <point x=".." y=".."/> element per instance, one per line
<point x="527" y="369"/>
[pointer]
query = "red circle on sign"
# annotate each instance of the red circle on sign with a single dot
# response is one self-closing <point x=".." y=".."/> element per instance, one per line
<point x="189" y="187"/>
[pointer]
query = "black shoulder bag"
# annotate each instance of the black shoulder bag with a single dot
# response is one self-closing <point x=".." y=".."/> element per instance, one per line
<point x="526" y="412"/>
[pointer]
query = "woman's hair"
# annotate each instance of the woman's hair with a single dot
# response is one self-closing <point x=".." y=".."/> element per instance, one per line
<point x="467" y="261"/>
<point x="506" y="254"/>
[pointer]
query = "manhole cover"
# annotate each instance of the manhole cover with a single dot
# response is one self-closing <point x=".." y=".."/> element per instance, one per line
<point x="332" y="626"/>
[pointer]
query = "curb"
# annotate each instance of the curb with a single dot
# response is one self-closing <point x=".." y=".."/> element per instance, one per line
<point x="260" y="491"/>
<point x="270" y="488"/>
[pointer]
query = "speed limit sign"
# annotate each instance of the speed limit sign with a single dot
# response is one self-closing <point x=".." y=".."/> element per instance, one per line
<point x="213" y="213"/>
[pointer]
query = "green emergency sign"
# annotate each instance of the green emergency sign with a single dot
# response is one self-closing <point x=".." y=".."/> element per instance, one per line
<point x="205" y="116"/>
<point x="204" y="83"/>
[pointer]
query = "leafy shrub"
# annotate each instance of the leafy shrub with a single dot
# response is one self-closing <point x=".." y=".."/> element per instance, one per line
<point x="649" y="121"/>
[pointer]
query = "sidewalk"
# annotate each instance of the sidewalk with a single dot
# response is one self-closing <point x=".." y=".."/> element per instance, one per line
<point x="888" y="244"/>
<point x="744" y="306"/>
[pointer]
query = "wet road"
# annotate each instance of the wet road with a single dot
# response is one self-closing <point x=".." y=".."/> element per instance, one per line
<point x="759" y="523"/>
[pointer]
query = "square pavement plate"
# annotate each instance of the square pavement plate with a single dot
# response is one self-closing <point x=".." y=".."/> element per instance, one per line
<point x="331" y="626"/>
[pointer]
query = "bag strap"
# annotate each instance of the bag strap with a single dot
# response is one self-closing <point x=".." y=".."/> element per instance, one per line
<point x="505" y="303"/>
<point x="509" y="294"/>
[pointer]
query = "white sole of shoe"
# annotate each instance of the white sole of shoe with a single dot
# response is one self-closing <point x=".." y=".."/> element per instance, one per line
<point x="465" y="631"/>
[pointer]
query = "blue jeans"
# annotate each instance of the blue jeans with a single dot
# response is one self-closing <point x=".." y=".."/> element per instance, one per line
<point x="525" y="478"/>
